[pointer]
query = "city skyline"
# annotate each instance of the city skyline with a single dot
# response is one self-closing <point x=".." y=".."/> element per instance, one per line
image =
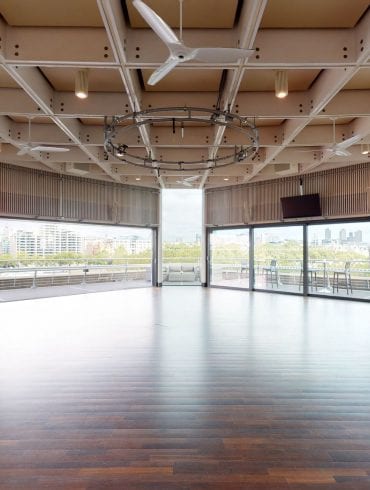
<point x="86" y="229"/>
<point x="51" y="238"/>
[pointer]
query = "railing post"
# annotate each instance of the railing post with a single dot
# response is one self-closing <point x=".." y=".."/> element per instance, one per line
<point x="84" y="276"/>
<point x="34" y="279"/>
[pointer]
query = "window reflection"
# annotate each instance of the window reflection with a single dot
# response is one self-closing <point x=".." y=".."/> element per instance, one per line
<point x="340" y="253"/>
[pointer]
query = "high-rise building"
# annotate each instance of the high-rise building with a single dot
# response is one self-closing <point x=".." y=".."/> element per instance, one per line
<point x="54" y="239"/>
<point x="26" y="243"/>
<point x="5" y="241"/>
<point x="358" y="236"/>
<point x="342" y="235"/>
<point x="327" y="234"/>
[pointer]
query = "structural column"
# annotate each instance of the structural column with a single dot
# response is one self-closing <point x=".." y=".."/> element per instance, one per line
<point x="203" y="244"/>
<point x="159" y="242"/>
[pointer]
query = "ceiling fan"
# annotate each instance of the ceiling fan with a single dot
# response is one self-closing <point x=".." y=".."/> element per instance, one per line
<point x="336" y="149"/>
<point x="179" y="53"/>
<point x="26" y="147"/>
<point x="187" y="181"/>
<point x="340" y="149"/>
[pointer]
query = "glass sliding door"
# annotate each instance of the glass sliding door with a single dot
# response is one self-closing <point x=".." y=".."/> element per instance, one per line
<point x="229" y="257"/>
<point x="278" y="258"/>
<point x="339" y="253"/>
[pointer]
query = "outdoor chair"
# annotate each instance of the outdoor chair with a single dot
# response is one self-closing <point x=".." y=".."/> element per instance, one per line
<point x="342" y="278"/>
<point x="271" y="274"/>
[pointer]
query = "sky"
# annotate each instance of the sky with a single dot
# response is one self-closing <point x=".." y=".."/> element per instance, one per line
<point x="182" y="214"/>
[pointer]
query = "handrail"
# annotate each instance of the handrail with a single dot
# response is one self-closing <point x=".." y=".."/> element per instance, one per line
<point x="70" y="268"/>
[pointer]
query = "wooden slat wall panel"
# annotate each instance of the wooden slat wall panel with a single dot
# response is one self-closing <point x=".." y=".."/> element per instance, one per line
<point x="344" y="192"/>
<point x="36" y="194"/>
<point x="218" y="206"/>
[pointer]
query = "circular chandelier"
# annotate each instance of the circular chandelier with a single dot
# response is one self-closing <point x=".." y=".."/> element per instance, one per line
<point x="117" y="129"/>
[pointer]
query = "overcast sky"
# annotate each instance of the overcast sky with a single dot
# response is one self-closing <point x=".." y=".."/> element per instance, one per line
<point x="182" y="214"/>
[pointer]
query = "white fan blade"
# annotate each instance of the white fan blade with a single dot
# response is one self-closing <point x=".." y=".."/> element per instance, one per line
<point x="156" y="23"/>
<point x="192" y="179"/>
<point x="50" y="149"/>
<point x="162" y="71"/>
<point x="183" y="182"/>
<point x="338" y="153"/>
<point x="23" y="151"/>
<point x="342" y="145"/>
<point x="220" y="55"/>
<point x="313" y="150"/>
<point x="341" y="153"/>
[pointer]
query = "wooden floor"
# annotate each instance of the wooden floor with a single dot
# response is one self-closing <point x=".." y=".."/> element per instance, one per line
<point x="184" y="389"/>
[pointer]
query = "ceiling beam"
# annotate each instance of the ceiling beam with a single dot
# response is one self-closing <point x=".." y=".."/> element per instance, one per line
<point x="162" y="137"/>
<point x="93" y="46"/>
<point x="72" y="45"/>
<point x="117" y="30"/>
<point x="322" y="47"/>
<point x="37" y="88"/>
<point x="250" y="19"/>
<point x="325" y="88"/>
<point x="259" y="105"/>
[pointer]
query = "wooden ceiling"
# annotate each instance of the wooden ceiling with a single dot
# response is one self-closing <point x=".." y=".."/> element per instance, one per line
<point x="323" y="45"/>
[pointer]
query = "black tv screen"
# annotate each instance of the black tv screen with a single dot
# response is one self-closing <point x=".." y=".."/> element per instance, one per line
<point x="301" y="206"/>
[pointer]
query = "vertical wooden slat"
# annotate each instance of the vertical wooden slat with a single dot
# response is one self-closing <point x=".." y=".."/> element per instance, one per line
<point x="34" y="193"/>
<point x="344" y="192"/>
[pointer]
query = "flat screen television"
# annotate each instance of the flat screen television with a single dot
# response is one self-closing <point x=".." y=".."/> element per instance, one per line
<point x="301" y="206"/>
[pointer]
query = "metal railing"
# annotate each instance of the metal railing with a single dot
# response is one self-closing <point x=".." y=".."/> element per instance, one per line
<point x="23" y="277"/>
<point x="290" y="271"/>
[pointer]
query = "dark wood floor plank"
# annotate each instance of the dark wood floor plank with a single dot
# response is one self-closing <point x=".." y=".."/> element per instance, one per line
<point x="184" y="389"/>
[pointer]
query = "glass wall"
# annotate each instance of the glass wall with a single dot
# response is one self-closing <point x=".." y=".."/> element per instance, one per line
<point x="39" y="253"/>
<point x="278" y="258"/>
<point x="229" y="257"/>
<point x="181" y="238"/>
<point x="339" y="258"/>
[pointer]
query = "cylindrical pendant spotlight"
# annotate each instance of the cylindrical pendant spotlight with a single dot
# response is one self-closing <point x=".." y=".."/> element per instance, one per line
<point x="365" y="149"/>
<point x="82" y="84"/>
<point x="281" y="84"/>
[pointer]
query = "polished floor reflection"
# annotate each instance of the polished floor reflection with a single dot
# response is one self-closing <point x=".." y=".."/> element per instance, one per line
<point x="184" y="388"/>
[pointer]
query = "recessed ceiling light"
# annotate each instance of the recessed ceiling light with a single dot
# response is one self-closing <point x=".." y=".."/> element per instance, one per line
<point x="226" y="178"/>
<point x="138" y="178"/>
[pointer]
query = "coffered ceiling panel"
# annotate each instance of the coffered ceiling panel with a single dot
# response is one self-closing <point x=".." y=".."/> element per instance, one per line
<point x="313" y="13"/>
<point x="185" y="80"/>
<point x="6" y="81"/>
<point x="264" y="80"/>
<point x="196" y="14"/>
<point x="100" y="80"/>
<point x="259" y="122"/>
<point x="34" y="120"/>
<point x="51" y="13"/>
<point x="361" y="81"/>
<point x="321" y="121"/>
